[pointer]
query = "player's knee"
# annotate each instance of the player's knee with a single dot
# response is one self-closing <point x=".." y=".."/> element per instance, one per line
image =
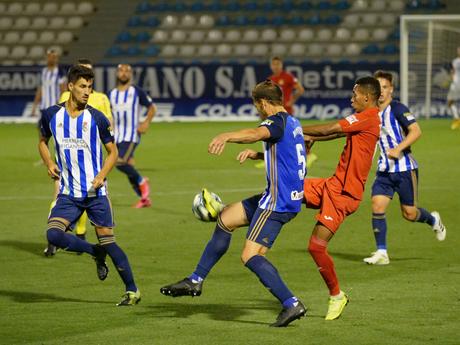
<point x="378" y="207"/>
<point x="409" y="215"/>
<point x="246" y="256"/>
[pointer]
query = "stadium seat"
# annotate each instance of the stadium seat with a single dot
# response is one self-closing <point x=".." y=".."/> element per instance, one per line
<point x="390" y="49"/>
<point x="188" y="21"/>
<point x="205" y="50"/>
<point x="22" y="23"/>
<point x="169" y="50"/>
<point x="75" y="22"/>
<point x="434" y="4"/>
<point x="36" y="52"/>
<point x="314" y="20"/>
<point x="379" y="34"/>
<point x="11" y="37"/>
<point x="232" y="6"/>
<point x="18" y="52"/>
<point x="187" y="50"/>
<point x="133" y="51"/>
<point x="197" y="6"/>
<point x="297" y="20"/>
<point x="260" y="49"/>
<point x="206" y="21"/>
<point x="15" y="8"/>
<point x="395" y="35"/>
<point x="342" y="5"/>
<point x="250" y="35"/>
<point x="39" y="23"/>
<point x="26" y="62"/>
<point x="178" y="36"/>
<point x="114" y="51"/>
<point x="305" y="35"/>
<point x="287" y="35"/>
<point x="57" y="23"/>
<point x="242" y="49"/>
<point x="351" y="20"/>
<point x="170" y="21"/>
<point x="3" y="7"/>
<point x="286" y="6"/>
<point x="361" y="34"/>
<point x="64" y="37"/>
<point x="342" y="34"/>
<point x="152" y="22"/>
<point x="124" y="36"/>
<point x="58" y="49"/>
<point x="223" y="49"/>
<point x="29" y="37"/>
<point x="397" y="5"/>
<point x="46" y="37"/>
<point x="223" y="20"/>
<point x="160" y="36"/>
<point x="277" y="21"/>
<point x="414" y="5"/>
<point x="315" y="49"/>
<point x="68" y="8"/>
<point x="388" y="19"/>
<point x="353" y="49"/>
<point x="260" y="21"/>
<point x="304" y="5"/>
<point x="196" y="36"/>
<point x="371" y="49"/>
<point x="142" y="37"/>
<point x="333" y="19"/>
<point x="32" y="8"/>
<point x="4" y="52"/>
<point x="85" y="8"/>
<point x="143" y="7"/>
<point x="179" y="7"/>
<point x="324" y="35"/>
<point x="233" y="36"/>
<point x="297" y="49"/>
<point x="268" y="35"/>
<point x="135" y="21"/>
<point x="50" y="8"/>
<point x="334" y="50"/>
<point x="278" y="49"/>
<point x="6" y="23"/>
<point x="370" y="19"/>
<point x="250" y="5"/>
<point x="360" y="5"/>
<point x="214" y="36"/>
<point x="324" y="5"/>
<point x="241" y="20"/>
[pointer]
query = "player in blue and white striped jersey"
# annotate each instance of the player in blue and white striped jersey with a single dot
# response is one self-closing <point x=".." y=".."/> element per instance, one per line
<point x="126" y="100"/>
<point x="397" y="170"/>
<point x="79" y="132"/>
<point x="52" y="83"/>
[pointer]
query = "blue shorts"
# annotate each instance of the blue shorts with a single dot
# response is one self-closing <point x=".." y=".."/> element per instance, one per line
<point x="404" y="183"/>
<point x="99" y="210"/>
<point x="264" y="225"/>
<point x="126" y="150"/>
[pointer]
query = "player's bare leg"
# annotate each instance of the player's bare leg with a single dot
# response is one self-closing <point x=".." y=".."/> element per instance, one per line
<point x="232" y="217"/>
<point x="421" y="215"/>
<point x="379" y="226"/>
<point x="318" y="249"/>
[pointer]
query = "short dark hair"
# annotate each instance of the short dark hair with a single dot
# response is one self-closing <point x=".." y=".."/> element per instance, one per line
<point x="269" y="91"/>
<point x="84" y="61"/>
<point x="384" y="75"/>
<point x="77" y="71"/>
<point x="277" y="58"/>
<point x="371" y="85"/>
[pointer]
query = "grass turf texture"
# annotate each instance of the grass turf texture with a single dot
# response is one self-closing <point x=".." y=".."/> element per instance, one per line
<point x="414" y="300"/>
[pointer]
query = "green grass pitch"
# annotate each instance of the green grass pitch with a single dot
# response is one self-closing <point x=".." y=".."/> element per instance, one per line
<point x="414" y="300"/>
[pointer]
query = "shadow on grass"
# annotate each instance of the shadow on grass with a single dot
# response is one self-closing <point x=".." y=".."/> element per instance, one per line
<point x="37" y="297"/>
<point x="360" y="257"/>
<point x="30" y="247"/>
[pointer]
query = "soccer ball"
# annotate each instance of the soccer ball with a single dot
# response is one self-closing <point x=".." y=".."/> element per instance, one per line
<point x="207" y="206"/>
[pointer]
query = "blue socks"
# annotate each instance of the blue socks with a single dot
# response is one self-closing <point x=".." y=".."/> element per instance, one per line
<point x="379" y="225"/>
<point x="120" y="260"/>
<point x="133" y="176"/>
<point x="68" y="242"/>
<point x="423" y="216"/>
<point x="270" y="278"/>
<point x="214" y="250"/>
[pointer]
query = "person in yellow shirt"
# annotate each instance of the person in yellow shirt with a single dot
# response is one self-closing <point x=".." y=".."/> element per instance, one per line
<point x="99" y="101"/>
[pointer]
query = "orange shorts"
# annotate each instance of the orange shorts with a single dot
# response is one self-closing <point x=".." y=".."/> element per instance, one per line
<point x="326" y="195"/>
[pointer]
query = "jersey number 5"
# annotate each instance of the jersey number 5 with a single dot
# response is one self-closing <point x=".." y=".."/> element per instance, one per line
<point x="302" y="161"/>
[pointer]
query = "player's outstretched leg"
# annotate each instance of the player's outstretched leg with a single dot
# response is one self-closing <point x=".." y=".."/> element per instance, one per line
<point x="421" y="215"/>
<point x="140" y="185"/>
<point x="214" y="250"/>
<point x="338" y="299"/>
<point x="107" y="242"/>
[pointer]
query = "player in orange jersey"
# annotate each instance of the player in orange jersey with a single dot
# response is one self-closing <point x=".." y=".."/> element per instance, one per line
<point x="338" y="196"/>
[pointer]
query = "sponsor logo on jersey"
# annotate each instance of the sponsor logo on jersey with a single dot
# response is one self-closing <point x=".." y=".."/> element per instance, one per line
<point x="266" y="123"/>
<point x="351" y="119"/>
<point x="295" y="195"/>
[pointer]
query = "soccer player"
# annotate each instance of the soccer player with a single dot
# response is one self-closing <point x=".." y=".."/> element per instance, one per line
<point x="265" y="213"/>
<point x="53" y="83"/>
<point x="397" y="170"/>
<point x="126" y="100"/>
<point x="79" y="132"/>
<point x="292" y="91"/>
<point x="338" y="196"/>
<point x="453" y="96"/>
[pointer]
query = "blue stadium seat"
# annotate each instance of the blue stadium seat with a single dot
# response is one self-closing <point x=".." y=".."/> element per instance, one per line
<point x="390" y="49"/>
<point x="241" y="20"/>
<point x="135" y="21"/>
<point x="414" y="5"/>
<point x="435" y="4"/>
<point x="342" y="5"/>
<point x="143" y="7"/>
<point x="297" y="20"/>
<point x="278" y="20"/>
<point x="152" y="22"/>
<point x="197" y="6"/>
<point x="133" y="51"/>
<point x="143" y="36"/>
<point x="324" y="5"/>
<point x="286" y="5"/>
<point x="304" y="5"/>
<point x="114" y="51"/>
<point x="215" y="6"/>
<point x="314" y="20"/>
<point x="179" y="7"/>
<point x="160" y="7"/>
<point x="251" y="6"/>
<point x="223" y="20"/>
<point x="371" y="49"/>
<point x="268" y="6"/>
<point x="124" y="37"/>
<point x="233" y="6"/>
<point x="152" y="50"/>
<point x="261" y="20"/>
<point x="333" y="19"/>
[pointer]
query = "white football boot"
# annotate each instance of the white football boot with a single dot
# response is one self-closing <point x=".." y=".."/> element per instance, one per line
<point x="378" y="258"/>
<point x="439" y="228"/>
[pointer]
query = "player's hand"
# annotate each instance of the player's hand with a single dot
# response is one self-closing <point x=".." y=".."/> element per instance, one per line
<point x="143" y="127"/>
<point x="393" y="153"/>
<point x="309" y="141"/>
<point x="217" y="145"/>
<point x="53" y="171"/>
<point x="248" y="153"/>
<point x="98" y="182"/>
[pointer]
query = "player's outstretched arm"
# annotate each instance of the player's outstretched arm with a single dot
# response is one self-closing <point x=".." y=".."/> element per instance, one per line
<point x="53" y="170"/>
<point x="326" y="132"/>
<point x="244" y="136"/>
<point x="109" y="163"/>
<point x="414" y="132"/>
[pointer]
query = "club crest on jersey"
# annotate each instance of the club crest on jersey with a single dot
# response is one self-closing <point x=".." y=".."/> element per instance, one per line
<point x="110" y="130"/>
<point x="409" y="116"/>
<point x="85" y="126"/>
<point x="351" y="119"/>
<point x="59" y="125"/>
<point x="266" y="123"/>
